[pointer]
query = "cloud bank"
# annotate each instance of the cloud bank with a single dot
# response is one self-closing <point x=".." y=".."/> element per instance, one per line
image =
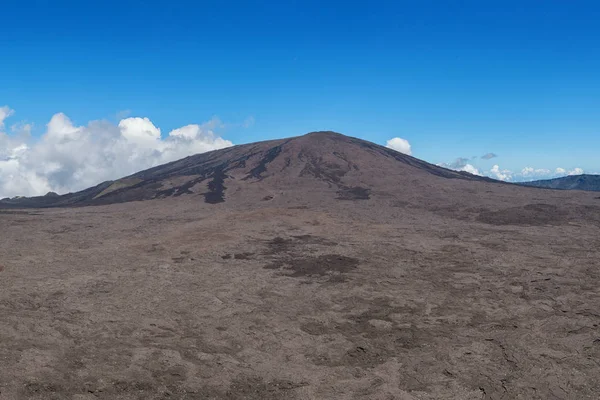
<point x="68" y="158"/>
<point x="531" y="174"/>
<point x="507" y="175"/>
<point x="399" y="144"/>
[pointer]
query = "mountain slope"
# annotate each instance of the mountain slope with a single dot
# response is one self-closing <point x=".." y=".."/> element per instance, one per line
<point x="573" y="182"/>
<point x="347" y="167"/>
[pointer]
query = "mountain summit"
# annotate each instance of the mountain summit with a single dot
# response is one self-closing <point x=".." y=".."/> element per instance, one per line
<point x="335" y="165"/>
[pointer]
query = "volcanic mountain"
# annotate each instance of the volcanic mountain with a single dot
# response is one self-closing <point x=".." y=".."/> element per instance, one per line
<point x="316" y="267"/>
<point x="343" y="167"/>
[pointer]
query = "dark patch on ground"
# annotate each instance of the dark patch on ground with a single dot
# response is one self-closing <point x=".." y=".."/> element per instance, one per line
<point x="363" y="356"/>
<point x="267" y="198"/>
<point x="216" y="188"/>
<point x="242" y="256"/>
<point x="324" y="265"/>
<point x="238" y="256"/>
<point x="342" y="156"/>
<point x="316" y="167"/>
<point x="279" y="245"/>
<point x="179" y="190"/>
<point x="310" y="239"/>
<point x="257" y="171"/>
<point x="289" y="256"/>
<point x="354" y="193"/>
<point x="531" y="214"/>
<point x="288" y="162"/>
<point x="315" y="328"/>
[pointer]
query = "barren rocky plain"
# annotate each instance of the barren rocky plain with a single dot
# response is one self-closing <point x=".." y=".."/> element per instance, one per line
<point x="317" y="267"/>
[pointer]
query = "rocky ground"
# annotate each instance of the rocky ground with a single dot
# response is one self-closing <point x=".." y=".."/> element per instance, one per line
<point x="386" y="298"/>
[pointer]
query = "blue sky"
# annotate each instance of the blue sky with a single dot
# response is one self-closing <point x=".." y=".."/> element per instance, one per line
<point x="455" y="78"/>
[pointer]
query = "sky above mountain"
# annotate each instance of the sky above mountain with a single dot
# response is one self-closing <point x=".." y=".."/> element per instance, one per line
<point x="91" y="91"/>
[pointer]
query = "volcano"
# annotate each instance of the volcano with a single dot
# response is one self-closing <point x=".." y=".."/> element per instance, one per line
<point x="315" y="267"/>
<point x="330" y="163"/>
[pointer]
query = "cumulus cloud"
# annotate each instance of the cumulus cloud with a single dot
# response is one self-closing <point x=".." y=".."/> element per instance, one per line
<point x="68" y="157"/>
<point x="500" y="174"/>
<point x="400" y="145"/>
<point x="489" y="156"/>
<point x="471" y="169"/>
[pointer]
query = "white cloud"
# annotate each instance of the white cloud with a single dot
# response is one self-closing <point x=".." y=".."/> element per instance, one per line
<point x="471" y="169"/>
<point x="399" y="144"/>
<point x="576" y="171"/>
<point x="187" y="132"/>
<point x="560" y="171"/>
<point x="68" y="157"/>
<point x="503" y="175"/>
<point x="140" y="130"/>
<point x="60" y="127"/>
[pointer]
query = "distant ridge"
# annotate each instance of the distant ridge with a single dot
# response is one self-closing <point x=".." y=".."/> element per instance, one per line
<point x="572" y="182"/>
